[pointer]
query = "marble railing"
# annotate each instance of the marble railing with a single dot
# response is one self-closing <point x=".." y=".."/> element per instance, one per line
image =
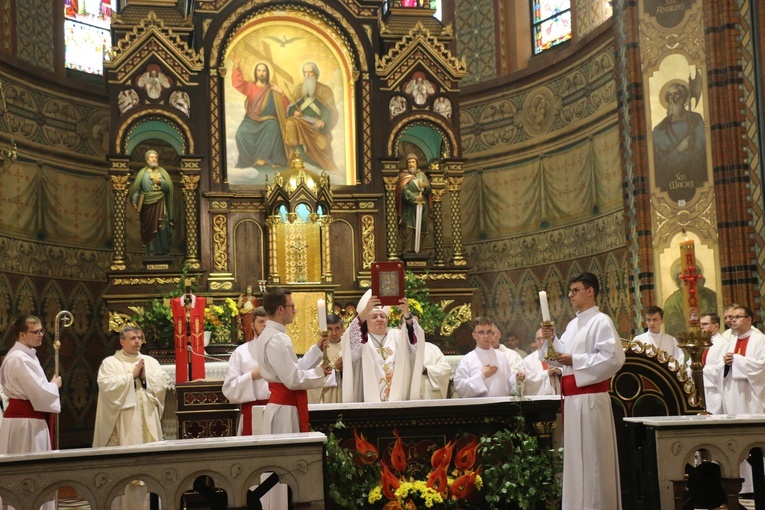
<point x="168" y="469"/>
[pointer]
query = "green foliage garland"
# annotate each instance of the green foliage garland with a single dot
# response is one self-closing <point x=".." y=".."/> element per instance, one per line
<point x="430" y="315"/>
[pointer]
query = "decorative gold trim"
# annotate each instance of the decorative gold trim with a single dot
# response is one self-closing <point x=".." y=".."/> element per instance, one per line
<point x="221" y="285"/>
<point x="190" y="185"/>
<point x="143" y="115"/>
<point x="544" y="428"/>
<point x="446" y="276"/>
<point x="220" y="242"/>
<point x="391" y="217"/>
<point x="146" y="281"/>
<point x="455" y="317"/>
<point x="118" y="320"/>
<point x="367" y="240"/>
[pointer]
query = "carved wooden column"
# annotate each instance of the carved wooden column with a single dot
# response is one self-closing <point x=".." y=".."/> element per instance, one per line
<point x="190" y="174"/>
<point x="454" y="172"/>
<point x="326" y="254"/>
<point x="119" y="173"/>
<point x="220" y="277"/>
<point x="273" y="269"/>
<point x="367" y="241"/>
<point x="438" y="187"/>
<point x="390" y="177"/>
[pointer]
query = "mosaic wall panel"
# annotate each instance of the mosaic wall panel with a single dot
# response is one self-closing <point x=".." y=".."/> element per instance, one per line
<point x="34" y="32"/>
<point x="39" y="116"/>
<point x="475" y="33"/>
<point x="580" y="93"/>
<point x="590" y="14"/>
<point x="510" y="296"/>
<point x="83" y="345"/>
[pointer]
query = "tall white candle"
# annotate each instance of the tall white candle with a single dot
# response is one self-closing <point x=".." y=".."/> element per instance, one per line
<point x="321" y="305"/>
<point x="543" y="305"/>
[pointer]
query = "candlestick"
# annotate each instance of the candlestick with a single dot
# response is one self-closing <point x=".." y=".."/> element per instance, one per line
<point x="543" y="305"/>
<point x="690" y="279"/>
<point x="550" y="353"/>
<point x="321" y="305"/>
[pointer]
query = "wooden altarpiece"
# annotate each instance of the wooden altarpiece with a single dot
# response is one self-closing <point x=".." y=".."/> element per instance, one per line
<point x="184" y="78"/>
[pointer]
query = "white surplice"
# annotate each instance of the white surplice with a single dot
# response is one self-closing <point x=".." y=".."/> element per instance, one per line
<point x="538" y="379"/>
<point x="590" y="460"/>
<point x="712" y="397"/>
<point x="22" y="377"/>
<point x="742" y="391"/>
<point x="469" y="381"/>
<point x="127" y="413"/>
<point x="435" y="383"/>
<point x="239" y="387"/>
<point x="278" y="363"/>
<point x="382" y="367"/>
<point x="664" y="342"/>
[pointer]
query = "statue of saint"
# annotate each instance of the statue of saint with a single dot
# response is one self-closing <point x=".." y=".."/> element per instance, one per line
<point x="412" y="189"/>
<point x="152" y="197"/>
<point x="246" y="305"/>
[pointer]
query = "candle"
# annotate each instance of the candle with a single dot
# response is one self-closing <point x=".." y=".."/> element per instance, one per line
<point x="543" y="305"/>
<point x="322" y="307"/>
<point x="690" y="279"/>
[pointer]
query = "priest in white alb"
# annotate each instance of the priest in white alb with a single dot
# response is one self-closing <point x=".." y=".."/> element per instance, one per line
<point x="436" y="372"/>
<point x="131" y="395"/>
<point x="384" y="359"/>
<point x="734" y="376"/>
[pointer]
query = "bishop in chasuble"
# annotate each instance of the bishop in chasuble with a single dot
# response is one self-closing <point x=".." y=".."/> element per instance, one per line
<point x="384" y="359"/>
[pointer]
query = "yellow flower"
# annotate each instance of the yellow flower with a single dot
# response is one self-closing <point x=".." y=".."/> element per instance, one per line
<point x="375" y="494"/>
<point x="478" y="482"/>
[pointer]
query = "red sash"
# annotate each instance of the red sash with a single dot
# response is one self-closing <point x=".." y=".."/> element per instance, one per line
<point x="18" y="408"/>
<point x="247" y="415"/>
<point x="284" y="396"/>
<point x="569" y="387"/>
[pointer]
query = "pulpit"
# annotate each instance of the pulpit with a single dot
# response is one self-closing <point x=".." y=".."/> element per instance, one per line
<point x="203" y="410"/>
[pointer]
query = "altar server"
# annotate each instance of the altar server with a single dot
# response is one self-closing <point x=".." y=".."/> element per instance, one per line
<point x="541" y="377"/>
<point x="485" y="371"/>
<point x="590" y="353"/>
<point x="734" y="376"/>
<point x="384" y="359"/>
<point x="32" y="396"/>
<point x="243" y="383"/>
<point x="288" y="379"/>
<point x="654" y="320"/>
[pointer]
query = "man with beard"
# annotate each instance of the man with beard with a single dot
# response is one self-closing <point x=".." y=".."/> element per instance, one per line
<point x="311" y="118"/>
<point x="413" y="186"/>
<point x="152" y="197"/>
<point x="679" y="147"/>
<point x="259" y="137"/>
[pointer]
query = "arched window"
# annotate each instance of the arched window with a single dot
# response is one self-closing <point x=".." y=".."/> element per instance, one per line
<point x="550" y="23"/>
<point x="86" y="34"/>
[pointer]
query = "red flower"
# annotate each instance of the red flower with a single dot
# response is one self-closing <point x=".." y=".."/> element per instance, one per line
<point x="443" y="455"/>
<point x="463" y="485"/>
<point x="367" y="453"/>
<point x="465" y="458"/>
<point x="397" y="456"/>
<point x="389" y="482"/>
<point x="437" y="479"/>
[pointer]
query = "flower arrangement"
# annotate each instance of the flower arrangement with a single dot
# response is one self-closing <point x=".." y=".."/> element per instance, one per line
<point x="429" y="315"/>
<point x="219" y="319"/>
<point x="406" y="481"/>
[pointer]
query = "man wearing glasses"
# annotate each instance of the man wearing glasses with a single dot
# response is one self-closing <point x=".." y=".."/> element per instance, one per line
<point x="735" y="377"/>
<point x="32" y="396"/>
<point x="288" y="379"/>
<point x="589" y="354"/>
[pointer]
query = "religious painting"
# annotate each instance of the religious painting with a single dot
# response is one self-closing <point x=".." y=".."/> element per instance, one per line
<point x="288" y="92"/>
<point x="680" y="152"/>
<point x="669" y="281"/>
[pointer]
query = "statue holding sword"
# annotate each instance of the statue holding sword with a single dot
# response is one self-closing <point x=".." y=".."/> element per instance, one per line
<point x="413" y="200"/>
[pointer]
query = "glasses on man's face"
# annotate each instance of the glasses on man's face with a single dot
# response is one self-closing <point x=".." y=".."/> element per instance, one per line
<point x="291" y="305"/>
<point x="704" y="324"/>
<point x="574" y="290"/>
<point x="36" y="332"/>
<point x="738" y="317"/>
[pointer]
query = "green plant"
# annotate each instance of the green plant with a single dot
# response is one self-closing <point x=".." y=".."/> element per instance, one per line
<point x="430" y="315"/>
<point x="517" y="470"/>
<point x="155" y="318"/>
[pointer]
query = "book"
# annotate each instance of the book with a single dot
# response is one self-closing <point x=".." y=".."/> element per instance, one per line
<point x="388" y="282"/>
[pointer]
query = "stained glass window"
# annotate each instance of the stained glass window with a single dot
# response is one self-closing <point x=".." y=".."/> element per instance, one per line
<point x="551" y="23"/>
<point x="86" y="34"/>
